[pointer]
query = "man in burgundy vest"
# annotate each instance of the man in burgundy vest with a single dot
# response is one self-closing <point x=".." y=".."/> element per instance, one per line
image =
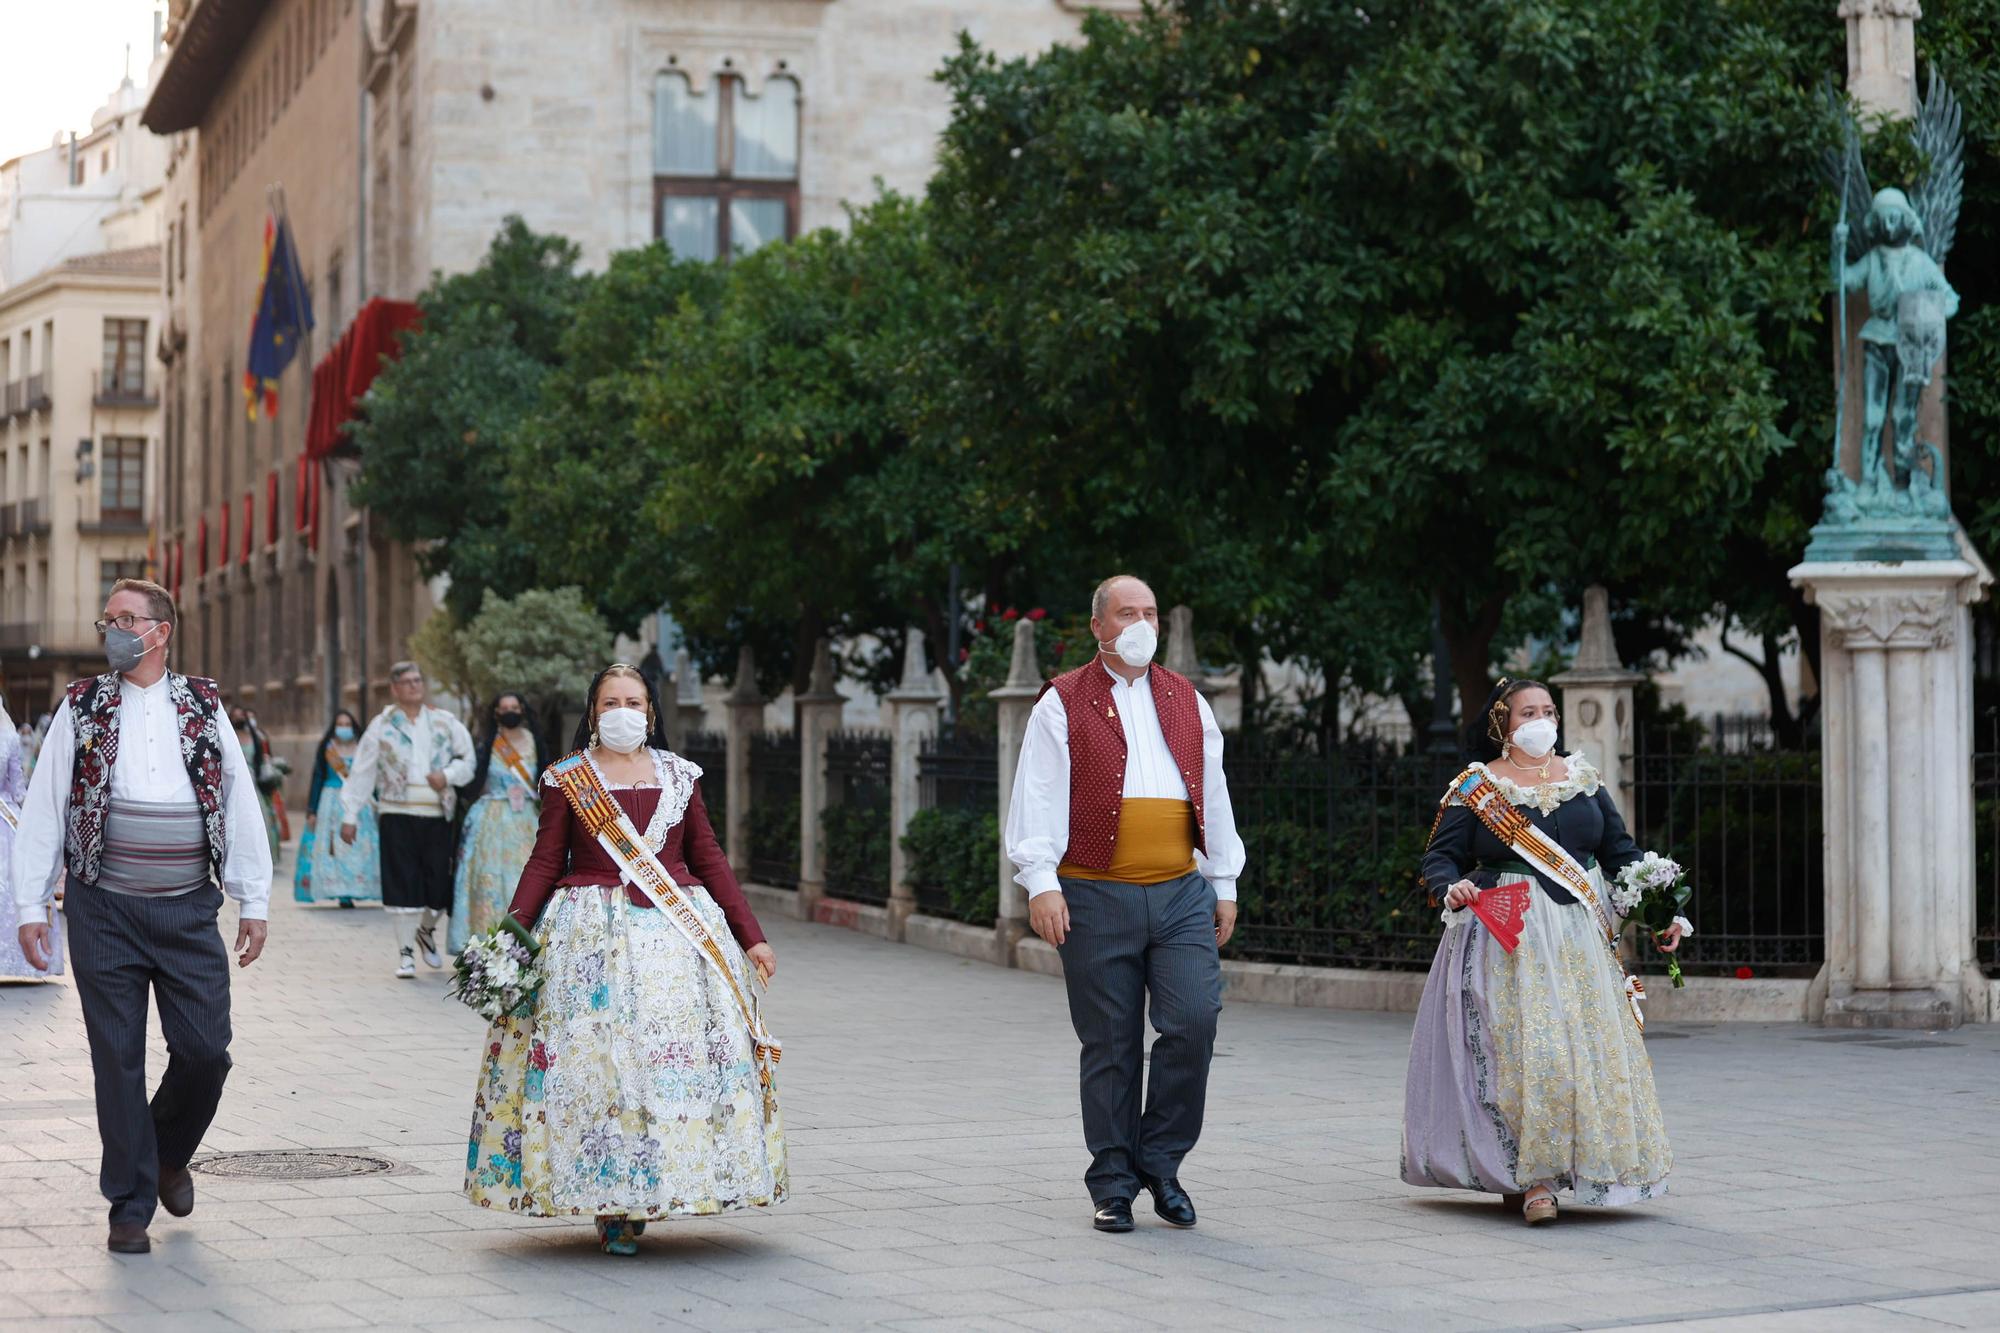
<point x="145" y="802"/>
<point x="1121" y="831"/>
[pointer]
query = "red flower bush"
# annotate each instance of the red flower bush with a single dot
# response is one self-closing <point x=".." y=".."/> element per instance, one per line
<point x="1038" y="614"/>
<point x="1010" y="614"/>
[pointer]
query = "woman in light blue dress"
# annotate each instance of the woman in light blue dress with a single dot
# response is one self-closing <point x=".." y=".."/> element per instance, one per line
<point x="500" y="809"/>
<point x="13" y="789"/>
<point x="337" y="872"/>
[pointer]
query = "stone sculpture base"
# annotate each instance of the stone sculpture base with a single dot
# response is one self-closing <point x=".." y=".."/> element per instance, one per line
<point x="1882" y="539"/>
<point x="1896" y="710"/>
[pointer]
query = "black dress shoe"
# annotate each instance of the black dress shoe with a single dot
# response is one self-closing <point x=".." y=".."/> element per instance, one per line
<point x="128" y="1238"/>
<point x="1171" y="1203"/>
<point x="1113" y="1215"/>
<point x="177" y="1191"/>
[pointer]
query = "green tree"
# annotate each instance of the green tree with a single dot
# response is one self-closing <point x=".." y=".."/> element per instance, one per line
<point x="437" y="435"/>
<point x="1464" y="302"/>
<point x="546" y="642"/>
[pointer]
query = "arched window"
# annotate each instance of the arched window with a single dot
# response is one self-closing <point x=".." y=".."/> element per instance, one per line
<point x="725" y="165"/>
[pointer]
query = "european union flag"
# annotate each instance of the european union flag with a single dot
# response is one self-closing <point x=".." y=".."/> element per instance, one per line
<point x="284" y="316"/>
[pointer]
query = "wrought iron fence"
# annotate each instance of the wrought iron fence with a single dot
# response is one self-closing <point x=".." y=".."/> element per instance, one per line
<point x="1335" y="838"/>
<point x="954" y="839"/>
<point x="1746" y="821"/>
<point x="856" y="820"/>
<point x="1986" y="833"/>
<point x="774" y="808"/>
<point x="710" y="750"/>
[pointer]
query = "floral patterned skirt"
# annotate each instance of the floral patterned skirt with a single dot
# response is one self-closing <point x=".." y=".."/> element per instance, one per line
<point x="1528" y="1067"/>
<point x="498" y="841"/>
<point x="629" y="1087"/>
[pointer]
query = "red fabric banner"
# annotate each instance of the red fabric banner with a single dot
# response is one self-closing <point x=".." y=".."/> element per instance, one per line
<point x="249" y="522"/>
<point x="344" y="374"/>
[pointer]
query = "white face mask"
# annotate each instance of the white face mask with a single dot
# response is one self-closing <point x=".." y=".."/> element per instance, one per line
<point x="1135" y="644"/>
<point x="622" y="729"/>
<point x="1536" y="738"/>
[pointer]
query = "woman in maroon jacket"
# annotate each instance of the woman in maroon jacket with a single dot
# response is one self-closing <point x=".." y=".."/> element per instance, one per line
<point x="629" y="1091"/>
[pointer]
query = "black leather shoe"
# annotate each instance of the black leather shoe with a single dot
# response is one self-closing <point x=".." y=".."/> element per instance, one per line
<point x="1113" y="1215"/>
<point x="177" y="1191"/>
<point x="128" y="1238"/>
<point x="1171" y="1203"/>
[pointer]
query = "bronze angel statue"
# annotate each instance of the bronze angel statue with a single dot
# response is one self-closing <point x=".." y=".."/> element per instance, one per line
<point x="1897" y="258"/>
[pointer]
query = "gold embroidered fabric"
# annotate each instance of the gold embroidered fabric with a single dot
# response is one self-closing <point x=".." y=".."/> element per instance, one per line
<point x="1583" y="780"/>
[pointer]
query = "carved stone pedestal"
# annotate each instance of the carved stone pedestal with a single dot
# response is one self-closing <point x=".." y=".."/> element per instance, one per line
<point x="1896" y="682"/>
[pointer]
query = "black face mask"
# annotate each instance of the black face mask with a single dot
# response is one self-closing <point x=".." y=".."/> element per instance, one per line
<point x="510" y="718"/>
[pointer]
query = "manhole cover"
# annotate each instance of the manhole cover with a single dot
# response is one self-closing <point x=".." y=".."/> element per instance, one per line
<point x="1850" y="1036"/>
<point x="1911" y="1044"/>
<point x="291" y="1165"/>
<point x="1666" y="1036"/>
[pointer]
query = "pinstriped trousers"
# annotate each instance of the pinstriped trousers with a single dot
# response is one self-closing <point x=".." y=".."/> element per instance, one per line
<point x="122" y="947"/>
<point x="1128" y="941"/>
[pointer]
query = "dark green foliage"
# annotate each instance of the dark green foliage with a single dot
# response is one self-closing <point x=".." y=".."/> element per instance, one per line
<point x="857" y="851"/>
<point x="954" y="855"/>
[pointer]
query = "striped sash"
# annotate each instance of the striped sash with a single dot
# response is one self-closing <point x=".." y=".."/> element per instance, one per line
<point x="153" y="848"/>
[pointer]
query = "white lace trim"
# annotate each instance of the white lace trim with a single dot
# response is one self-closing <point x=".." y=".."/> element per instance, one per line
<point x="675" y="778"/>
<point x="1583" y="780"/>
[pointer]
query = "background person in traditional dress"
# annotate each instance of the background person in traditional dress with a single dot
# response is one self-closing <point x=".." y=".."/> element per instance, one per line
<point x="257" y="752"/>
<point x="144" y="797"/>
<point x="13" y="790"/>
<point x="409" y="761"/>
<point x="328" y="870"/>
<point x="1125" y="841"/>
<point x="1528" y="1073"/>
<point x="499" y="808"/>
<point x="628" y="1094"/>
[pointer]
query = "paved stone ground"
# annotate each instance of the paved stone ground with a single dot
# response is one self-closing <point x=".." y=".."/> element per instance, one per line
<point x="1823" y="1184"/>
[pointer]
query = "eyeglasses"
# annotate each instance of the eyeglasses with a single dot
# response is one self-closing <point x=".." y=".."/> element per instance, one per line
<point x="126" y="622"/>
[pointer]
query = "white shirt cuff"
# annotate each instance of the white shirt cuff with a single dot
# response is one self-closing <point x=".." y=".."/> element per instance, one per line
<point x="1040" y="880"/>
<point x="1225" y="890"/>
<point x="37" y="915"/>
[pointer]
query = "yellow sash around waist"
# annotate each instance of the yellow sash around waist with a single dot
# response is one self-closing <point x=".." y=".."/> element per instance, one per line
<point x="1155" y="843"/>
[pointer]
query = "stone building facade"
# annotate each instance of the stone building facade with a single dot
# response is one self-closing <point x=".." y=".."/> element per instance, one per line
<point x="402" y="135"/>
<point x="79" y="391"/>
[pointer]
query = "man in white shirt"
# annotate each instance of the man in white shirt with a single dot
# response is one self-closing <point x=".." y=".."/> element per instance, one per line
<point x="410" y="761"/>
<point x="1121" y="830"/>
<point x="143" y="798"/>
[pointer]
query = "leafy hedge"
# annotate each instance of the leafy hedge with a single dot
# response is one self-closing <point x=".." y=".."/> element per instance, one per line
<point x="857" y="851"/>
<point x="774" y="834"/>
<point x="953" y="855"/>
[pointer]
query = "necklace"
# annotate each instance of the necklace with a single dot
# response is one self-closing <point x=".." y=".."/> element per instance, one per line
<point x="1541" y="771"/>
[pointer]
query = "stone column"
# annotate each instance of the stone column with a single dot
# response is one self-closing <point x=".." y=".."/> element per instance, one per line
<point x="1180" y="656"/>
<point x="819" y="717"/>
<point x="1882" y="54"/>
<point x="1016" y="700"/>
<point x="913" y="713"/>
<point x="1597" y="700"/>
<point x="746" y="719"/>
<point x="689" y="709"/>
<point x="1896" y="699"/>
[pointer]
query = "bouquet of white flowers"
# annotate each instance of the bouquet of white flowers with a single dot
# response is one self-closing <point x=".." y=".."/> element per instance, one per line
<point x="497" y="972"/>
<point x="1654" y="892"/>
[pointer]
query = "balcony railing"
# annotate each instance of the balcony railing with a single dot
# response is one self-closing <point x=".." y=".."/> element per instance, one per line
<point x="126" y="395"/>
<point x="16" y="397"/>
<point x="34" y="516"/>
<point x="38" y="394"/>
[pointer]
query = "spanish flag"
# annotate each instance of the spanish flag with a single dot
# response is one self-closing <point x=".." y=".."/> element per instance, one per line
<point x="284" y="317"/>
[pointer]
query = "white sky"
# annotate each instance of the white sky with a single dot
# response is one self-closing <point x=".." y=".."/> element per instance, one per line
<point x="61" y="59"/>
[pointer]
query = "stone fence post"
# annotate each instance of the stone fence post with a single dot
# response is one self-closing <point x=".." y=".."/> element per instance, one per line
<point x="1597" y="703"/>
<point x="689" y="710"/>
<point x="1180" y="656"/>
<point x="746" y="718"/>
<point x="914" y="709"/>
<point x="1016" y="700"/>
<point x="819" y="718"/>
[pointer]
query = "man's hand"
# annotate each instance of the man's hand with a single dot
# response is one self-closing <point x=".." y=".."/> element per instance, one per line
<point x="249" y="941"/>
<point x="1048" y="916"/>
<point x="347" y="832"/>
<point x="1225" y="920"/>
<point x="35" y="945"/>
<point x="765" y="960"/>
<point x="436" y="780"/>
